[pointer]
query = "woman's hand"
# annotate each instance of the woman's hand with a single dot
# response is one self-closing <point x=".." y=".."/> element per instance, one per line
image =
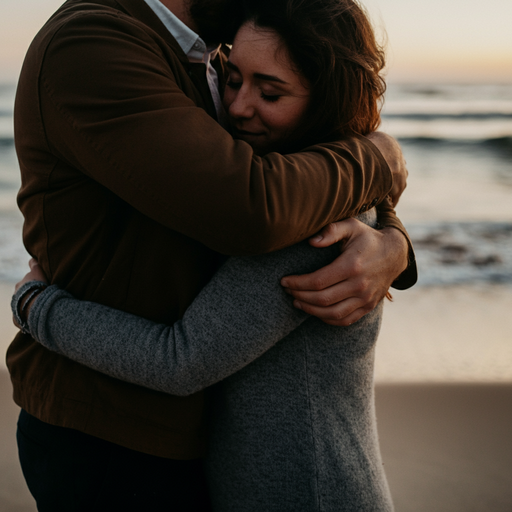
<point x="36" y="274"/>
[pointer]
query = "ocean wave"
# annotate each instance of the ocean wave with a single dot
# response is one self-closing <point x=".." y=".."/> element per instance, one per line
<point x="448" y="127"/>
<point x="448" y="253"/>
<point x="502" y="143"/>
<point x="463" y="252"/>
<point x="462" y="116"/>
<point x="13" y="256"/>
<point x="6" y="141"/>
<point x="9" y="185"/>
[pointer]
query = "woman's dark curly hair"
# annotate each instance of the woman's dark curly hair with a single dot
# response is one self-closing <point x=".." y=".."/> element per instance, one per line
<point x="332" y="44"/>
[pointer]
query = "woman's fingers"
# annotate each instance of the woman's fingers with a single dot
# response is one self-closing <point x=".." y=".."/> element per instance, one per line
<point x="36" y="274"/>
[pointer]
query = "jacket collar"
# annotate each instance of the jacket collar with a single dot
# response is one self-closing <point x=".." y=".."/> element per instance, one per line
<point x="141" y="11"/>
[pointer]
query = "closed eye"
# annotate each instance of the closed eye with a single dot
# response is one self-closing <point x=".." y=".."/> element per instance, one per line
<point x="233" y="85"/>
<point x="272" y="98"/>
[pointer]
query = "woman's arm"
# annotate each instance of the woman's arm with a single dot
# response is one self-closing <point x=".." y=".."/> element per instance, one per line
<point x="241" y="313"/>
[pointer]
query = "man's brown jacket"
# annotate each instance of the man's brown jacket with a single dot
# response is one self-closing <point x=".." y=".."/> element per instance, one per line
<point x="131" y="191"/>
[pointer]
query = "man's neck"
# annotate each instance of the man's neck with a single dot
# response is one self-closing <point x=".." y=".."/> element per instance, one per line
<point x="179" y="9"/>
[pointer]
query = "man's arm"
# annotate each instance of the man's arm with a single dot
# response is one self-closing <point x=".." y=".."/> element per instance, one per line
<point x="113" y="108"/>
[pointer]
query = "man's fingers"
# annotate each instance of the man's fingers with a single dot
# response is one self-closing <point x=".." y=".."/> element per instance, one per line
<point x="316" y="281"/>
<point x="333" y="233"/>
<point x="354" y="283"/>
<point x="322" y="299"/>
<point x="329" y="296"/>
<point x="350" y="319"/>
<point x="340" y="314"/>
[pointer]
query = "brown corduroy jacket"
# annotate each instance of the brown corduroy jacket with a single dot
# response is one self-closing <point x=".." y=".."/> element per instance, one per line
<point x="131" y="191"/>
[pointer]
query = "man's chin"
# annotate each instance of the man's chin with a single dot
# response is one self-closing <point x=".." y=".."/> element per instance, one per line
<point x="217" y="21"/>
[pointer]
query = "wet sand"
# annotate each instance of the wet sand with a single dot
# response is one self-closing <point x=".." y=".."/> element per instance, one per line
<point x="447" y="334"/>
<point x="447" y="447"/>
<point x="444" y="421"/>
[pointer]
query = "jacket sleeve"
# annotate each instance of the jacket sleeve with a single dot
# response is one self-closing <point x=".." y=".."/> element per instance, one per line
<point x="114" y="109"/>
<point x="387" y="219"/>
<point x="229" y="324"/>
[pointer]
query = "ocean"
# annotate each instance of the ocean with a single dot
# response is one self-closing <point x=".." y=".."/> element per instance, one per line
<point x="457" y="140"/>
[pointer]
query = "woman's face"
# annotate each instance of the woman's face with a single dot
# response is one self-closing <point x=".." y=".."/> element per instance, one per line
<point x="265" y="97"/>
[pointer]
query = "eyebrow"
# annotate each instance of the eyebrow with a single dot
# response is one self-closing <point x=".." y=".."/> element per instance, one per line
<point x="261" y="76"/>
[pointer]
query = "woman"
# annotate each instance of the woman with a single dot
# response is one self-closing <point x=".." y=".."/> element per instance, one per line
<point x="292" y="423"/>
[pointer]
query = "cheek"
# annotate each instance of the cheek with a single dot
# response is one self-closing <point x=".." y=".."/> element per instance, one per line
<point x="283" y="118"/>
<point x="229" y="97"/>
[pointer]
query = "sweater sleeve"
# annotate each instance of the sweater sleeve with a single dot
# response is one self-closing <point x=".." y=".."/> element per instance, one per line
<point x="240" y="314"/>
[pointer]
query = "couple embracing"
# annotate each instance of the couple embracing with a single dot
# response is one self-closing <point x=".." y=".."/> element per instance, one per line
<point x="154" y="372"/>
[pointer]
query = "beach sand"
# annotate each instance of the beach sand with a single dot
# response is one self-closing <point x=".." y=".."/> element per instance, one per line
<point x="447" y="334"/>
<point x="447" y="447"/>
<point x="14" y="495"/>
<point x="444" y="402"/>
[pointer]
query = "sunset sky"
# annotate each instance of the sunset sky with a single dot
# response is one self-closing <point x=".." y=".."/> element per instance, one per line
<point x="434" y="40"/>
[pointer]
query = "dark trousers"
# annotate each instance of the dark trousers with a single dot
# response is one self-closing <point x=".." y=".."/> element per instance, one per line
<point x="68" y="471"/>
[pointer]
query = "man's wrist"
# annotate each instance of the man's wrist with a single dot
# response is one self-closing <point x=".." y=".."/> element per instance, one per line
<point x="400" y="246"/>
<point x="409" y="276"/>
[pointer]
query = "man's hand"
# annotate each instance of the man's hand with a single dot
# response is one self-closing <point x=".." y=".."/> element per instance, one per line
<point x="392" y="153"/>
<point x="350" y="287"/>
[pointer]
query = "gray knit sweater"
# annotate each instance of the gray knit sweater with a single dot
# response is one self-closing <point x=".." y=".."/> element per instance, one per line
<point x="292" y="413"/>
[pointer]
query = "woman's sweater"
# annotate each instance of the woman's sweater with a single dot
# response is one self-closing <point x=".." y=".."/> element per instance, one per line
<point x="292" y="416"/>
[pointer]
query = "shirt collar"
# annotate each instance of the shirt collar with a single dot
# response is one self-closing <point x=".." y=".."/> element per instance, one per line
<point x="191" y="44"/>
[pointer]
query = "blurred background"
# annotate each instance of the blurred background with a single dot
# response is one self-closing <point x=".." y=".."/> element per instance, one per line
<point x="444" y="358"/>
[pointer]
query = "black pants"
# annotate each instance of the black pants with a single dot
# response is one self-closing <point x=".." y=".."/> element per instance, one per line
<point x="68" y="471"/>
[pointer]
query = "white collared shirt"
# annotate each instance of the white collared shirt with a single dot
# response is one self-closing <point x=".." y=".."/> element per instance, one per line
<point x="194" y="48"/>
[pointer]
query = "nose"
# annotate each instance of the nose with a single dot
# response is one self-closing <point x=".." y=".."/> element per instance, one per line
<point x="242" y="105"/>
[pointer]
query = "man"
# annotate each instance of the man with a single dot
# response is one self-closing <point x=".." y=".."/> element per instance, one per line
<point x="125" y="172"/>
